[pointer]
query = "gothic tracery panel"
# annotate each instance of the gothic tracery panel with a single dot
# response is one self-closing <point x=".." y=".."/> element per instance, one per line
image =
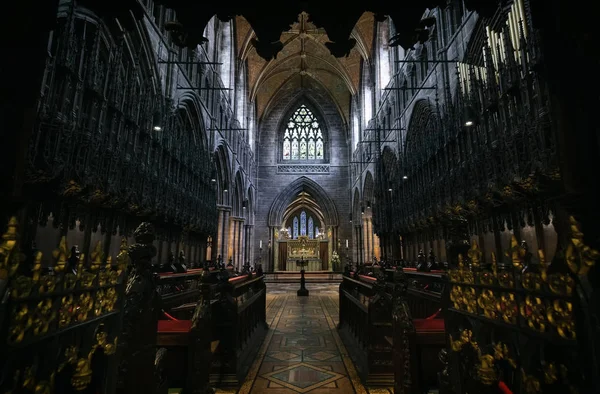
<point x="303" y="137"/>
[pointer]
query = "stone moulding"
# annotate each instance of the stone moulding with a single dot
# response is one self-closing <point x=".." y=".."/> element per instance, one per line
<point x="303" y="169"/>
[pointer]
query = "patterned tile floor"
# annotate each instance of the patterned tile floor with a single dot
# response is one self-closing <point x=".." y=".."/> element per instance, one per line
<point x="303" y="352"/>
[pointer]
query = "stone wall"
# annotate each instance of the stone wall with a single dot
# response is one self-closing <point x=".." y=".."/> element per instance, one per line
<point x="270" y="183"/>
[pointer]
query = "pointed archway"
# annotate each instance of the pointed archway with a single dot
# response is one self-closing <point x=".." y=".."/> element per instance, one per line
<point x="292" y="219"/>
<point x="290" y="193"/>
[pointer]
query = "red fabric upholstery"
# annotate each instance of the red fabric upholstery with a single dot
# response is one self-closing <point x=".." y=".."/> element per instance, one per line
<point x="188" y="272"/>
<point x="174" y="326"/>
<point x="367" y="278"/>
<point x="238" y="278"/>
<point x="504" y="388"/>
<point x="429" y="324"/>
<point x="409" y="269"/>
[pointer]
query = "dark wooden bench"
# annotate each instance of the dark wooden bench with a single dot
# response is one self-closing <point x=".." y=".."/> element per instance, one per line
<point x="239" y="323"/>
<point x="366" y="327"/>
<point x="185" y="329"/>
<point x="419" y="329"/>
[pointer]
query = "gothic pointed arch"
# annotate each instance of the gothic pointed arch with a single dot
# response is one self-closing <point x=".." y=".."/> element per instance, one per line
<point x="422" y="128"/>
<point x="356" y="206"/>
<point x="223" y="169"/>
<point x="238" y="195"/>
<point x="250" y="205"/>
<point x="368" y="189"/>
<point x="286" y="197"/>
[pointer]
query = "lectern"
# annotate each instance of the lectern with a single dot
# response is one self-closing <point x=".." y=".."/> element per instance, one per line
<point x="302" y="292"/>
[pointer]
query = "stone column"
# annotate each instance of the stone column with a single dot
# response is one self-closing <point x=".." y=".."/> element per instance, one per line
<point x="218" y="241"/>
<point x="223" y="236"/>
<point x="231" y="238"/>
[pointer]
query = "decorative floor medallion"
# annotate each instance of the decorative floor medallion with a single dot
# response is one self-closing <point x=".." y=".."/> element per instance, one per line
<point x="303" y="377"/>
<point x="283" y="356"/>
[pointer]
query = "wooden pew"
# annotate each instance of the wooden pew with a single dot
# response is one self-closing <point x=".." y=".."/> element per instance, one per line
<point x="239" y="323"/>
<point x="366" y="327"/>
<point x="180" y="292"/>
<point x="419" y="328"/>
<point x="185" y="329"/>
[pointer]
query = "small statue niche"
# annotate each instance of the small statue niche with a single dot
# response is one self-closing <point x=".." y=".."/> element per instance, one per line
<point x="422" y="262"/>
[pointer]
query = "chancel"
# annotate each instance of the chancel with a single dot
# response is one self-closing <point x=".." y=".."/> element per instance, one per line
<point x="178" y="177"/>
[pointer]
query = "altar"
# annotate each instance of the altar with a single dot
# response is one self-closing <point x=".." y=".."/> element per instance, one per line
<point x="311" y="265"/>
<point x="314" y="252"/>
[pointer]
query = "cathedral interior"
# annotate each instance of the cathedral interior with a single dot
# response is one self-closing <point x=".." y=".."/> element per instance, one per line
<point x="303" y="197"/>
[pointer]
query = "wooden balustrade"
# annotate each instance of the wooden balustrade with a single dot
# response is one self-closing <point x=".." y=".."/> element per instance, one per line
<point x="366" y="328"/>
<point x="393" y="326"/>
<point x="239" y="323"/>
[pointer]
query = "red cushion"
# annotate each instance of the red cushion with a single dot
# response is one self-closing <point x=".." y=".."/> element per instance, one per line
<point x="368" y="278"/>
<point x="238" y="278"/>
<point x="429" y="324"/>
<point x="409" y="269"/>
<point x="173" y="326"/>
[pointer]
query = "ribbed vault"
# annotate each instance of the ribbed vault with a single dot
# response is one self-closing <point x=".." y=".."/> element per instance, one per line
<point x="304" y="55"/>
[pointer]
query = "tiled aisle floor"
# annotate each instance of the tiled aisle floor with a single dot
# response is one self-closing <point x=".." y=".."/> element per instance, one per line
<point x="303" y="352"/>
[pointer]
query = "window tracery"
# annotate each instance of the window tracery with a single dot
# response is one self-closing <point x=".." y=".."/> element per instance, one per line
<point x="303" y="137"/>
<point x="303" y="224"/>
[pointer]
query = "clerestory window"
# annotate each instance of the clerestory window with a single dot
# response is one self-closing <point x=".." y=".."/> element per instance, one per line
<point x="303" y="137"/>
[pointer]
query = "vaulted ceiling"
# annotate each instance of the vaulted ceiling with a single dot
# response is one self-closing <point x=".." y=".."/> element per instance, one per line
<point x="345" y="29"/>
<point x="304" y="55"/>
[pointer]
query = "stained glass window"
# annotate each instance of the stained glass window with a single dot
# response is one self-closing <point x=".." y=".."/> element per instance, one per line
<point x="303" y="223"/>
<point x="296" y="227"/>
<point x="303" y="138"/>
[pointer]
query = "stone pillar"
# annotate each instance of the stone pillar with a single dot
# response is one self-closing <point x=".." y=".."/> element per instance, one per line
<point x="223" y="232"/>
<point x="218" y="240"/>
<point x="231" y="238"/>
<point x="240" y="242"/>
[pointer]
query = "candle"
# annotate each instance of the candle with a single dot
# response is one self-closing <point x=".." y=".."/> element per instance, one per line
<point x="260" y="244"/>
<point x="346" y="244"/>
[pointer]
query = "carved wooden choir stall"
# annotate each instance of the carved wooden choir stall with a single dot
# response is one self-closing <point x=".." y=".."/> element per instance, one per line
<point x="517" y="325"/>
<point x="103" y="325"/>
